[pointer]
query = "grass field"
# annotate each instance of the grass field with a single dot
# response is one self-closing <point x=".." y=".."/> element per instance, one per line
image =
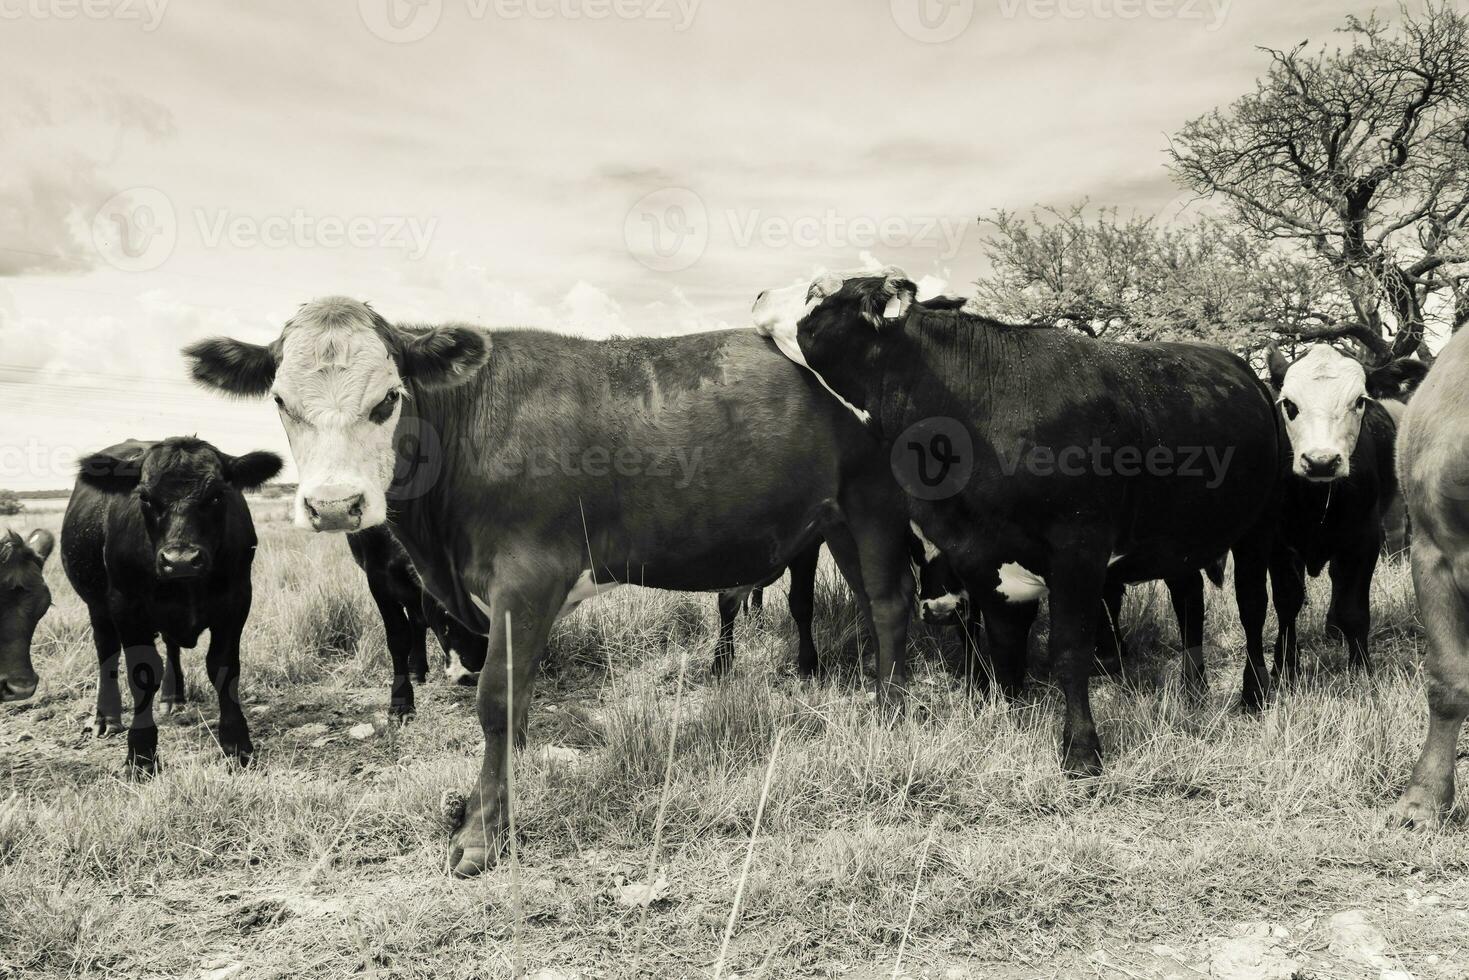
<point x="948" y="838"/>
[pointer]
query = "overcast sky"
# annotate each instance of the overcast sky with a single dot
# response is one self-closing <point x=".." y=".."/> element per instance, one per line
<point x="174" y="170"/>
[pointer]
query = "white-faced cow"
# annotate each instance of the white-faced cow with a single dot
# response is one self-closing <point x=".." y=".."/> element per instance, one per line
<point x="1433" y="460"/>
<point x="1073" y="462"/>
<point x="408" y="614"/>
<point x="24" y="599"/>
<point x="535" y="470"/>
<point x="157" y="540"/>
<point x="1343" y="480"/>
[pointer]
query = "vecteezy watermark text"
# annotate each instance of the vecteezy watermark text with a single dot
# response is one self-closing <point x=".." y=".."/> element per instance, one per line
<point x="1209" y="12"/>
<point x="406" y="21"/>
<point x="148" y="14"/>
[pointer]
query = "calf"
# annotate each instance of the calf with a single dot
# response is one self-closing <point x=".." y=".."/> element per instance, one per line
<point x="1342" y="481"/>
<point x="408" y="612"/>
<point x="157" y="540"/>
<point x="529" y="471"/>
<point x="1044" y="460"/>
<point x="1433" y="459"/>
<point x="24" y="599"/>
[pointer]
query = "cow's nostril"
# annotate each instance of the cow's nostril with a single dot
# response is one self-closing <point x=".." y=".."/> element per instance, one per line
<point x="355" y="510"/>
<point x="310" y="509"/>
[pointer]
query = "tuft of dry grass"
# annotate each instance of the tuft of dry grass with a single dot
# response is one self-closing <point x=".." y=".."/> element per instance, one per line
<point x="949" y="833"/>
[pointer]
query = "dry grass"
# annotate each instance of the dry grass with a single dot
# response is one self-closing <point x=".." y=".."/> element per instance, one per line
<point x="950" y="833"/>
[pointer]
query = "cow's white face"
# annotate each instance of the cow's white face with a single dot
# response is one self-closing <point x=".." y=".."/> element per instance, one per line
<point x="1323" y="397"/>
<point x="779" y="312"/>
<point x="339" y="395"/>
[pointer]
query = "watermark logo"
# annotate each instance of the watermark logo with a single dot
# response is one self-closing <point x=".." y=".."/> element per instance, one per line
<point x="667" y="230"/>
<point x="301" y="229"/>
<point x="933" y="459"/>
<point x="136" y="229"/>
<point x="401" y="21"/>
<point x="418" y="459"/>
<point x="1211" y="13"/>
<point x="933" y="21"/>
<point x="148" y="14"/>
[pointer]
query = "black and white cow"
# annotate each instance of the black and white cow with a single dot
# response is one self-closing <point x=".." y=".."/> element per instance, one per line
<point x="1343" y="480"/>
<point x="158" y="541"/>
<point x="1053" y="462"/>
<point x="529" y="471"/>
<point x="408" y="614"/>
<point x="24" y="599"/>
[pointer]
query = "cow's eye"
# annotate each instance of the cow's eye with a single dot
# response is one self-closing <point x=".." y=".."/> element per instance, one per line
<point x="279" y="401"/>
<point x="145" y="501"/>
<point x="1362" y="404"/>
<point x="384" y="409"/>
<point x="1290" y="408"/>
<point x="214" y="499"/>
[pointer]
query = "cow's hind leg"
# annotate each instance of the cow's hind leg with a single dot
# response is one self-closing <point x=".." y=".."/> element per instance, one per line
<point x="803" y="609"/>
<point x="1288" y="590"/>
<point x="729" y="607"/>
<point x="1187" y="593"/>
<point x="399" y="634"/>
<point x="108" y="717"/>
<point x="1351" y="598"/>
<point x="175" y="694"/>
<point x="888" y="577"/>
<point x="1443" y="603"/>
<point x="1007" y="639"/>
<point x="1076" y="606"/>
<point x="502" y="700"/>
<point x="844" y="553"/>
<point x="1251" y="570"/>
<point x="418" y="643"/>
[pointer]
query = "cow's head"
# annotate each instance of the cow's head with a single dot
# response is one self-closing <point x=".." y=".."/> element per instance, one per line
<point x="1323" y="396"/>
<point x="833" y="325"/>
<point x="338" y="374"/>
<point x="183" y="488"/>
<point x="24" y="599"/>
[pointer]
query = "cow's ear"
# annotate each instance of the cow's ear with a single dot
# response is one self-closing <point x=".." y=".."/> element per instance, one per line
<point x="890" y="302"/>
<point x="1278" y="365"/>
<point x="232" y="366"/>
<point x="1396" y="379"/>
<point x="41" y="541"/>
<point x="251" y="470"/>
<point x="111" y="472"/>
<point x="444" y="356"/>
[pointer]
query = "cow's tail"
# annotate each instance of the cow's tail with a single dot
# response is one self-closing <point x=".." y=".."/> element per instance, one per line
<point x="1215" y="571"/>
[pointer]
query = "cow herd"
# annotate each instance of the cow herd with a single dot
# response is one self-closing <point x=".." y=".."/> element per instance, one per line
<point x="491" y="481"/>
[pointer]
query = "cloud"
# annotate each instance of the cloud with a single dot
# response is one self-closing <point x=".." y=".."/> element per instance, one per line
<point x="59" y="146"/>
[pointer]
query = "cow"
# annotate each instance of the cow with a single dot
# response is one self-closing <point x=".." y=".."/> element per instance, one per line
<point x="24" y="599"/>
<point x="158" y="541"/>
<point x="1052" y="462"/>
<point x="1433" y="463"/>
<point x="529" y="471"/>
<point x="408" y="613"/>
<point x="1342" y="481"/>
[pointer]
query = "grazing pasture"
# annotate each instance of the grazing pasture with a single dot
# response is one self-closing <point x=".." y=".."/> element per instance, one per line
<point x="949" y="838"/>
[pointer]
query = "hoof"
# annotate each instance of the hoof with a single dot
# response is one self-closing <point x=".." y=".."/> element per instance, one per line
<point x="401" y="713"/>
<point x="169" y="708"/>
<point x="105" y="726"/>
<point x="1082" y="760"/>
<point x="419" y="677"/>
<point x="471" y="862"/>
<point x="1416" y="809"/>
<point x="142" y="767"/>
<point x="240" y="754"/>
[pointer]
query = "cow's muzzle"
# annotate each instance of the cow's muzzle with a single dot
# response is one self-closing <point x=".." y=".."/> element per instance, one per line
<point x="178" y="564"/>
<point x="1321" y="465"/>
<point x="341" y="514"/>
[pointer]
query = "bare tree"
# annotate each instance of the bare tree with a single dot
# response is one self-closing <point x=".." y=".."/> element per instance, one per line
<point x="1360" y="154"/>
<point x="1136" y="279"/>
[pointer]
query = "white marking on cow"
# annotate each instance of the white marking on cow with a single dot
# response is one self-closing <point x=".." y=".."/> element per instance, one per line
<point x="1020" y="584"/>
<point x="1115" y="559"/>
<point x="778" y="314"/>
<point x="930" y="550"/>
<point x="456" y="672"/>
<point x="944" y="606"/>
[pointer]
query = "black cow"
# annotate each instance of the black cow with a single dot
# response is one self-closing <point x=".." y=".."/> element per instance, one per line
<point x="535" y="470"/>
<point x="1393" y="388"/>
<point x="1044" y="460"/>
<point x="802" y="601"/>
<point x="157" y="540"/>
<point x="24" y="599"/>
<point x="408" y="613"/>
<point x="1342" y="484"/>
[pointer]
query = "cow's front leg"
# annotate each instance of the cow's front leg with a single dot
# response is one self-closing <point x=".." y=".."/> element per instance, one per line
<point x="887" y="575"/>
<point x="223" y="664"/>
<point x="145" y="674"/>
<point x="107" y="720"/>
<point x="175" y="694"/>
<point x="503" y="698"/>
<point x="1076" y="606"/>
